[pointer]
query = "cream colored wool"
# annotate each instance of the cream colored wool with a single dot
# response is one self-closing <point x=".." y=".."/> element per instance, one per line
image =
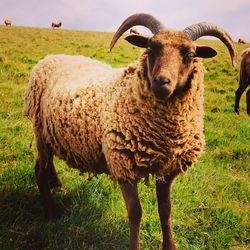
<point x="85" y="109"/>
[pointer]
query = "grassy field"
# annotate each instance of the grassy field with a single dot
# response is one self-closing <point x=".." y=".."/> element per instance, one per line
<point x="210" y="202"/>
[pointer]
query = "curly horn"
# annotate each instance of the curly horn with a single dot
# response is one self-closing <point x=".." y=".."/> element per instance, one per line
<point x="198" y="30"/>
<point x="142" y="19"/>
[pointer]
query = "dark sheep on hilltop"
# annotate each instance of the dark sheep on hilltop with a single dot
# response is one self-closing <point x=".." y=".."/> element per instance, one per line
<point x="8" y="22"/>
<point x="241" y="41"/>
<point x="244" y="81"/>
<point x="134" y="31"/>
<point x="56" y="25"/>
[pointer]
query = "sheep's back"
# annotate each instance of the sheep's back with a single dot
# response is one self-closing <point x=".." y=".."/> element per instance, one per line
<point x="63" y="100"/>
<point x="65" y="74"/>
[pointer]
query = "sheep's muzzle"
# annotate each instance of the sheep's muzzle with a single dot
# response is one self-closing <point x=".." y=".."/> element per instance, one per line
<point x="163" y="88"/>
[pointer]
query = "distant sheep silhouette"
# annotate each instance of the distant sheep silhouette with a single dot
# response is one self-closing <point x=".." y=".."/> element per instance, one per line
<point x="134" y="31"/>
<point x="56" y="25"/>
<point x="7" y="22"/>
<point x="241" y="40"/>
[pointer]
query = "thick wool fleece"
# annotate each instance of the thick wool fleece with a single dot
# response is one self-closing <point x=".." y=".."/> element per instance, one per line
<point x="99" y="119"/>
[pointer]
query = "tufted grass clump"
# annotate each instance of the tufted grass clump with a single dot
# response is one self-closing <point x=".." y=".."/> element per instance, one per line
<point x="210" y="202"/>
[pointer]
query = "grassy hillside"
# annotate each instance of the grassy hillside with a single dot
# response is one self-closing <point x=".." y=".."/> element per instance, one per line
<point x="209" y="202"/>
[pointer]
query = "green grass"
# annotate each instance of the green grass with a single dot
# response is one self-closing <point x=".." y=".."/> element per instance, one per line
<point x="210" y="202"/>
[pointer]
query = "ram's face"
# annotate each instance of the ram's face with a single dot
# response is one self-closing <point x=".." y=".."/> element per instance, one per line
<point x="170" y="57"/>
<point x="170" y="62"/>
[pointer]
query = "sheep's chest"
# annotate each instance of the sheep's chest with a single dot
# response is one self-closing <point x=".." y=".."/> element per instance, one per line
<point x="138" y="143"/>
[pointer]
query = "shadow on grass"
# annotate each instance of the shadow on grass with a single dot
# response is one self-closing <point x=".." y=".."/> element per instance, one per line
<point x="84" y="224"/>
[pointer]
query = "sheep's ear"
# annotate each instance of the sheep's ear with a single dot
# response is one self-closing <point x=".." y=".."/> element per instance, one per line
<point x="205" y="52"/>
<point x="139" y="41"/>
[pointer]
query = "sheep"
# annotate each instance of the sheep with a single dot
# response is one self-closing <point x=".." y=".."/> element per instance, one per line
<point x="7" y="22"/>
<point x="241" y="40"/>
<point x="244" y="81"/>
<point x="144" y="119"/>
<point x="56" y="25"/>
<point x="134" y="31"/>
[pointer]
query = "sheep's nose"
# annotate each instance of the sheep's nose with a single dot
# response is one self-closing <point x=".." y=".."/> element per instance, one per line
<point x="161" y="82"/>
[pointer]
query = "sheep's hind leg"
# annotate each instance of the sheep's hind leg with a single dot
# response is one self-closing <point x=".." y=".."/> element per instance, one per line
<point x="248" y="102"/>
<point x="46" y="178"/>
<point x="130" y="195"/>
<point x="238" y="95"/>
<point x="163" y="188"/>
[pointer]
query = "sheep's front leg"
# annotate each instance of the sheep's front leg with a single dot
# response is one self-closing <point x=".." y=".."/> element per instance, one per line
<point x="163" y="188"/>
<point x="130" y="195"/>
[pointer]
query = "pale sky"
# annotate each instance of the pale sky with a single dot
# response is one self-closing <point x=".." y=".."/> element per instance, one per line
<point x="107" y="15"/>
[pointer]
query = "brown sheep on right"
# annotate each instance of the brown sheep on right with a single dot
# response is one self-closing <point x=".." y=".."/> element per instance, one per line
<point x="56" y="25"/>
<point x="244" y="80"/>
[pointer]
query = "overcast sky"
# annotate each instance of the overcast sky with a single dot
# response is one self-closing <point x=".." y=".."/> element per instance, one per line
<point x="107" y="15"/>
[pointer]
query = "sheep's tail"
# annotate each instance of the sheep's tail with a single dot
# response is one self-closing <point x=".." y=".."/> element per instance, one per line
<point x="29" y="100"/>
<point x="32" y="99"/>
<point x="37" y="85"/>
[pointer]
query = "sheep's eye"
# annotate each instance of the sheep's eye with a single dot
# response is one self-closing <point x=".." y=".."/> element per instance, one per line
<point x="191" y="55"/>
<point x="188" y="57"/>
